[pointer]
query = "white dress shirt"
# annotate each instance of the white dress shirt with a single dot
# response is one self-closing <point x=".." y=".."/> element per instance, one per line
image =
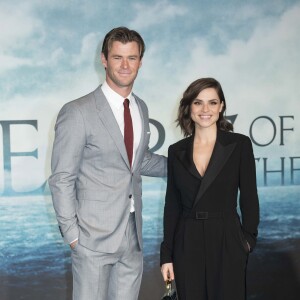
<point x="116" y="103"/>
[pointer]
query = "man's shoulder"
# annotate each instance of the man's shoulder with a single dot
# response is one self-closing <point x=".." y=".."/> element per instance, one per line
<point x="83" y="101"/>
<point x="139" y="100"/>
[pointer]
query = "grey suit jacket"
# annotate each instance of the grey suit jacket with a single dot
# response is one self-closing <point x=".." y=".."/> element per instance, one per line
<point x="91" y="182"/>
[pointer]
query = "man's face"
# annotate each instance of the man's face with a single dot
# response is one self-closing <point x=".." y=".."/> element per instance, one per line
<point x="122" y="65"/>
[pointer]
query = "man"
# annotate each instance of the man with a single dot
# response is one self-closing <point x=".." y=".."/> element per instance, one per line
<point x="99" y="154"/>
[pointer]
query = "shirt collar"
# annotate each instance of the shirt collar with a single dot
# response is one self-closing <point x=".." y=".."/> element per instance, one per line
<point x="114" y="98"/>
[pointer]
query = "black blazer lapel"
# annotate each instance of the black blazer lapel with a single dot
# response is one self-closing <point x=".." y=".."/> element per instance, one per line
<point x="185" y="156"/>
<point x="220" y="155"/>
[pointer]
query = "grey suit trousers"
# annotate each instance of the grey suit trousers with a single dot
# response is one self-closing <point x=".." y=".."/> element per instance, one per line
<point x="109" y="276"/>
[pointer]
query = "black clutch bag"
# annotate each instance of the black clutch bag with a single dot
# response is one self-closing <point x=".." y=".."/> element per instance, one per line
<point x="170" y="293"/>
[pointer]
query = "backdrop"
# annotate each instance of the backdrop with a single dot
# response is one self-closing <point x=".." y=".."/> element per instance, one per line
<point x="49" y="55"/>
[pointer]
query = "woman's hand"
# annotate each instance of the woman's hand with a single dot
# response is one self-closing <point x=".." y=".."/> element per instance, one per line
<point x="167" y="271"/>
<point x="249" y="248"/>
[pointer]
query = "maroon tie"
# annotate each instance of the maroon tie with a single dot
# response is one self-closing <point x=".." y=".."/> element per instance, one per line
<point x="128" y="131"/>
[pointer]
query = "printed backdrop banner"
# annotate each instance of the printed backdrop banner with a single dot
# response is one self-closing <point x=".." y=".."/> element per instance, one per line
<point x="50" y="54"/>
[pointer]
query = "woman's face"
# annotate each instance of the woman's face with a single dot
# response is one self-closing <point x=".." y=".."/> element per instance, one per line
<point x="205" y="108"/>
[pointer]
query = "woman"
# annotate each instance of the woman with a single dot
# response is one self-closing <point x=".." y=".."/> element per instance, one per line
<point x="205" y="247"/>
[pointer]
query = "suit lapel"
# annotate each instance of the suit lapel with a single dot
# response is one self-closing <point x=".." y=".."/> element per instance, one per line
<point x="109" y="122"/>
<point x="144" y="133"/>
<point x="185" y="156"/>
<point x="220" y="155"/>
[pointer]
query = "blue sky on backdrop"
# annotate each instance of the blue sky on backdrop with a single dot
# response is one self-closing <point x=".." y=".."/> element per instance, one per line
<point x="49" y="54"/>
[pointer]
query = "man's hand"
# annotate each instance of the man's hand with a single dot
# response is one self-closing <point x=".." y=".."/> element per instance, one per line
<point x="167" y="271"/>
<point x="73" y="244"/>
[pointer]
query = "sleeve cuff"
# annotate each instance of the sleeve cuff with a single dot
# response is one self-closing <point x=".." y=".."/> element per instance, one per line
<point x="71" y="235"/>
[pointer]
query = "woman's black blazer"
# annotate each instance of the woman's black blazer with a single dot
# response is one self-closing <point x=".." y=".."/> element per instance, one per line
<point x="231" y="172"/>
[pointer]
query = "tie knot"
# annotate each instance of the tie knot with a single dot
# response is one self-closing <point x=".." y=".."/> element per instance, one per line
<point x="126" y="102"/>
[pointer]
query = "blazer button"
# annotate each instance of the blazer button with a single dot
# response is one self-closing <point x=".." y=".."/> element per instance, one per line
<point x="130" y="196"/>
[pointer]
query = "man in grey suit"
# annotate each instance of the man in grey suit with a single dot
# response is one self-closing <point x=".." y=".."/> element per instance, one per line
<point x="99" y="154"/>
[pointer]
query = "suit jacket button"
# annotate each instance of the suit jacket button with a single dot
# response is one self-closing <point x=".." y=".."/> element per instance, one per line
<point x="130" y="196"/>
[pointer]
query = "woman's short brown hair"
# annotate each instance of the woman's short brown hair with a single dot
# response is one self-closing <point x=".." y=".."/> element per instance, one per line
<point x="184" y="120"/>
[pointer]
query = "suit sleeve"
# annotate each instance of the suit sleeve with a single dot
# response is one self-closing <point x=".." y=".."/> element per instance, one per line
<point x="249" y="204"/>
<point x="66" y="157"/>
<point x="154" y="165"/>
<point x="172" y="213"/>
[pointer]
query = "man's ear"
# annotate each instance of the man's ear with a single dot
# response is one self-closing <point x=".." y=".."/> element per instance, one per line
<point x="141" y="62"/>
<point x="103" y="60"/>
